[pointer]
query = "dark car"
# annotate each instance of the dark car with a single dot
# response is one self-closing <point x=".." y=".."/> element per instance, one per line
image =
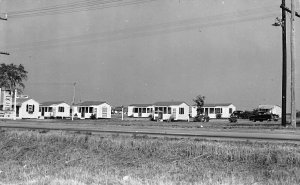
<point x="242" y="114"/>
<point x="263" y="116"/>
<point x="237" y="113"/>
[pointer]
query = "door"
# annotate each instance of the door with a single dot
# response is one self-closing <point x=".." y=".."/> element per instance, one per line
<point x="18" y="111"/>
<point x="104" y="112"/>
<point x="82" y="112"/>
<point x="160" y="115"/>
<point x="95" y="112"/>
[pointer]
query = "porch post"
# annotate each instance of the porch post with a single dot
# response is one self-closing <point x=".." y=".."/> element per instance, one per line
<point x="15" y="105"/>
<point x="0" y="95"/>
<point x="122" y="112"/>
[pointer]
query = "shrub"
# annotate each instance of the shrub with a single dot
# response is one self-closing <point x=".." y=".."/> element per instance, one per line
<point x="93" y="116"/>
<point x="201" y="118"/>
<point x="151" y="117"/>
<point x="171" y="119"/>
<point x="218" y="115"/>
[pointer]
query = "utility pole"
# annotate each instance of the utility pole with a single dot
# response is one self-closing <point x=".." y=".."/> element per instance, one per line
<point x="4" y="19"/>
<point x="282" y="23"/>
<point x="293" y="59"/>
<point x="73" y="100"/>
<point x="284" y="66"/>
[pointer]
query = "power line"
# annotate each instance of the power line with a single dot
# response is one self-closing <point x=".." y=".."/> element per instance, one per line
<point x="91" y="5"/>
<point x="161" y="28"/>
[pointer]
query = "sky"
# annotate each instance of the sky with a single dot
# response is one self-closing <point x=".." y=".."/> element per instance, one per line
<point x="144" y="51"/>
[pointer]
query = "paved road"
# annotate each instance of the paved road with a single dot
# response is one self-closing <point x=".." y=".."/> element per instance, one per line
<point x="243" y="134"/>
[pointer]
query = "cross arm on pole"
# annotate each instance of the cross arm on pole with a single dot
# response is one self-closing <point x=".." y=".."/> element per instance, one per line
<point x="4" y="53"/>
<point x="288" y="10"/>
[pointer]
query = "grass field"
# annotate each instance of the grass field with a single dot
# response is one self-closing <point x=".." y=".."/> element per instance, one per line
<point x="61" y="158"/>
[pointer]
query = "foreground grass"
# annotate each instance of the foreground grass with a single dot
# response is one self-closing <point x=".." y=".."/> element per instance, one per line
<point x="60" y="158"/>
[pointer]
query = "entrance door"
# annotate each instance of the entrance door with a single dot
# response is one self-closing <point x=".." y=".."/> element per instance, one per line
<point x="43" y="111"/>
<point x="82" y="112"/>
<point x="160" y="115"/>
<point x="18" y="111"/>
<point x="140" y="112"/>
<point x="104" y="112"/>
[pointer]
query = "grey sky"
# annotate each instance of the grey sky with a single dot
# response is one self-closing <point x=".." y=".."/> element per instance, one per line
<point x="157" y="50"/>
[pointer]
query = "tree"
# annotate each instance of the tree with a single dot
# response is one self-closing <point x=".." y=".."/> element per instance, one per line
<point x="12" y="77"/>
<point x="199" y="102"/>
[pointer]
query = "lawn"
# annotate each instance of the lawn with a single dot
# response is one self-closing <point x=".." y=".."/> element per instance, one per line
<point x="30" y="157"/>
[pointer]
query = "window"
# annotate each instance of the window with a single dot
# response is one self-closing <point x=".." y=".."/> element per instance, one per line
<point x="50" y="109"/>
<point x="156" y="110"/>
<point x="218" y="110"/>
<point x="40" y="109"/>
<point x="230" y="110"/>
<point x="90" y="109"/>
<point x="135" y="110"/>
<point x="61" y="109"/>
<point x="181" y="110"/>
<point x="143" y="110"/>
<point x="169" y="110"/>
<point x="211" y="110"/>
<point x="165" y="110"/>
<point x="149" y="110"/>
<point x="80" y="110"/>
<point x="86" y="109"/>
<point x="30" y="108"/>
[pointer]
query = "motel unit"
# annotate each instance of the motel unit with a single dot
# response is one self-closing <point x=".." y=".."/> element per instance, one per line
<point x="54" y="109"/>
<point x="271" y="109"/>
<point x="27" y="108"/>
<point x="85" y="110"/>
<point x="140" y="110"/>
<point x="176" y="110"/>
<point x="210" y="109"/>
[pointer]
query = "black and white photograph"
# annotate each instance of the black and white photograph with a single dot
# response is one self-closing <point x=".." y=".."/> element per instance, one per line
<point x="149" y="92"/>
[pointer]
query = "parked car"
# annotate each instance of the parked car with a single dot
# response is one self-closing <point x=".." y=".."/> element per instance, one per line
<point x="242" y="114"/>
<point x="263" y="116"/>
<point x="237" y="113"/>
<point x="233" y="118"/>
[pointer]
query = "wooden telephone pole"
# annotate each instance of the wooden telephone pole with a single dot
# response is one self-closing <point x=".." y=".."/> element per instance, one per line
<point x="4" y="19"/>
<point x="282" y="23"/>
<point x="293" y="59"/>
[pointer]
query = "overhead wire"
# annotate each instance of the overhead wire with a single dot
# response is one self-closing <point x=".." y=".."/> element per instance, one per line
<point x="91" y="5"/>
<point x="175" y="26"/>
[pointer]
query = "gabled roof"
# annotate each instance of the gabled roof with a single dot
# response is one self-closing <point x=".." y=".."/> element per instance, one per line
<point x="267" y="106"/>
<point x="90" y="103"/>
<point x="119" y="108"/>
<point x="168" y="103"/>
<point x="22" y="100"/>
<point x="141" y="105"/>
<point x="49" y="103"/>
<point x="217" y="104"/>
